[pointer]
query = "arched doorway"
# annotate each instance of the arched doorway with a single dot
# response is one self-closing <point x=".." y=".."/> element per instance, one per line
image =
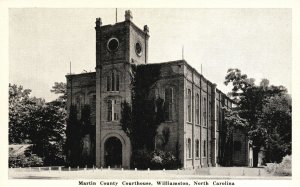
<point x="113" y="152"/>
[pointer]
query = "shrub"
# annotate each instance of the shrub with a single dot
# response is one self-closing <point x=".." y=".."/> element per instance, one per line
<point x="141" y="159"/>
<point x="271" y="167"/>
<point x="285" y="167"/>
<point x="25" y="161"/>
<point x="155" y="160"/>
<point x="282" y="169"/>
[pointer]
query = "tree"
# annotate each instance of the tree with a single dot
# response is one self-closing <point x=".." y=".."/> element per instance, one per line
<point x="277" y="118"/>
<point x="18" y="112"/>
<point x="60" y="88"/>
<point x="47" y="132"/>
<point x="73" y="137"/>
<point x="32" y="120"/>
<point x="140" y="121"/>
<point x="232" y="122"/>
<point x="251" y="100"/>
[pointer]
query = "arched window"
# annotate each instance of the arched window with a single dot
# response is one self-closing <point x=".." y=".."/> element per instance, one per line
<point x="108" y="83"/>
<point x="209" y="113"/>
<point x="204" y="148"/>
<point x="168" y="104"/>
<point x="204" y="112"/>
<point x="78" y="103"/>
<point x="113" y="110"/>
<point x="197" y="108"/>
<point x="189" y="148"/>
<point x="92" y="102"/>
<point x="109" y="110"/>
<point x="113" y="82"/>
<point x="218" y="118"/>
<point x="117" y="82"/>
<point x="189" y="105"/>
<point x="197" y="148"/>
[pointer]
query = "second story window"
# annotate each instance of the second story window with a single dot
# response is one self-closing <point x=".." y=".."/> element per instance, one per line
<point x="112" y="110"/>
<point x="113" y="82"/>
<point x="78" y="102"/>
<point x="197" y="109"/>
<point x="217" y="113"/>
<point x="204" y="112"/>
<point x="189" y="107"/>
<point x="168" y="104"/>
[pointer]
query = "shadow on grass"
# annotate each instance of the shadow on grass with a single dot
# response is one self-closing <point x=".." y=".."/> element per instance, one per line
<point x="35" y="177"/>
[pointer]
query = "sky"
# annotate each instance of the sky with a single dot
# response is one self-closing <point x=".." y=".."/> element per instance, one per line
<point x="43" y="41"/>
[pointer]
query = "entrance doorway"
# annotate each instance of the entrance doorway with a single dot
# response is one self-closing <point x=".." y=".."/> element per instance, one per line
<point x="113" y="152"/>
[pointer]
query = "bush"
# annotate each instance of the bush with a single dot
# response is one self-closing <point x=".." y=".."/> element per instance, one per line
<point x="271" y="167"/>
<point x="25" y="161"/>
<point x="282" y="169"/>
<point x="285" y="167"/>
<point x="141" y="159"/>
<point x="154" y="160"/>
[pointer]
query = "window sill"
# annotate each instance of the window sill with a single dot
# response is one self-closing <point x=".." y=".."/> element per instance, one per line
<point x="115" y="121"/>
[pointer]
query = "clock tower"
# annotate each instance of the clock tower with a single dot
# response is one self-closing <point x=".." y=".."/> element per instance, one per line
<point x="117" y="47"/>
<point x="122" y="42"/>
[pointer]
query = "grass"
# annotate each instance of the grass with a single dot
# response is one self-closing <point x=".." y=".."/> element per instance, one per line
<point x="89" y="173"/>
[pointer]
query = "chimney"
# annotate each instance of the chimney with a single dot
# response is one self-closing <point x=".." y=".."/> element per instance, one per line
<point x="146" y="29"/>
<point x="128" y="15"/>
<point x="98" y="22"/>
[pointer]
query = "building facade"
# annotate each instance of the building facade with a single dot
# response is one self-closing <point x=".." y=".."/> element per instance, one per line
<point x="193" y="114"/>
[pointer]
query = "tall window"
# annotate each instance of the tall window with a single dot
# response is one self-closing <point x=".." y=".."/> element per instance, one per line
<point x="217" y="113"/>
<point x="204" y="148"/>
<point x="92" y="101"/>
<point x="78" y="101"/>
<point x="117" y="82"/>
<point x="197" y="148"/>
<point x="108" y="83"/>
<point x="189" y="148"/>
<point x="112" y="110"/>
<point x="197" y="109"/>
<point x="204" y="111"/>
<point x="209" y="113"/>
<point x="220" y="117"/>
<point x="168" y="104"/>
<point x="189" y="107"/>
<point x="109" y="110"/>
<point x="113" y="82"/>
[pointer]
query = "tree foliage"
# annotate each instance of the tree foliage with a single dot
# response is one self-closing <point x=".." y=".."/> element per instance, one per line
<point x="257" y="104"/>
<point x="76" y="130"/>
<point x="140" y="121"/>
<point x="32" y="120"/>
<point x="232" y="122"/>
<point x="60" y="88"/>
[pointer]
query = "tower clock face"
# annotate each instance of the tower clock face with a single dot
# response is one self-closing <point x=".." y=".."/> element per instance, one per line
<point x="138" y="49"/>
<point x="113" y="44"/>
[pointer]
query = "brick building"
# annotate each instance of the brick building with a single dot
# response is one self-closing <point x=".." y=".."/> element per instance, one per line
<point x="193" y="116"/>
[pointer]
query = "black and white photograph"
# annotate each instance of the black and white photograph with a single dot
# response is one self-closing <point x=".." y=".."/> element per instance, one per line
<point x="129" y="96"/>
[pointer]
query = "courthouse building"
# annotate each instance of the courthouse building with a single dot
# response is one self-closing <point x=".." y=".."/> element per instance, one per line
<point x="193" y="116"/>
